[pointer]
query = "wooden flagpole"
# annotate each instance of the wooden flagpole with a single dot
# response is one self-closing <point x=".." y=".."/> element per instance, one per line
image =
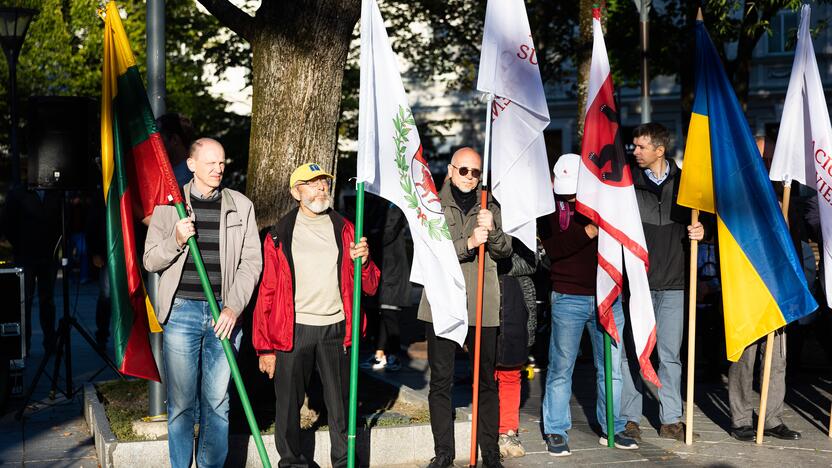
<point x="694" y="254"/>
<point x="761" y="420"/>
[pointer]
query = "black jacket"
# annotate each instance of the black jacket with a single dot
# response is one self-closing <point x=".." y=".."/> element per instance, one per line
<point x="665" y="228"/>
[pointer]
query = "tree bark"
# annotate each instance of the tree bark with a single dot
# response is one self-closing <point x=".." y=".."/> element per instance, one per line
<point x="299" y="50"/>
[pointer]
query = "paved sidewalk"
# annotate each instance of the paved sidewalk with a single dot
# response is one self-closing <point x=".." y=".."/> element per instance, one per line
<point x="807" y="410"/>
<point x="53" y="433"/>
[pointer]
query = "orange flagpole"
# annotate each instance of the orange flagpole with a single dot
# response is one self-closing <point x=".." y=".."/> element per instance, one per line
<point x="477" y="338"/>
<point x="475" y="400"/>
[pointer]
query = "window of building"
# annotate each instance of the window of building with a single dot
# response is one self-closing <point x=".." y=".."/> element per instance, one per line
<point x="783" y="32"/>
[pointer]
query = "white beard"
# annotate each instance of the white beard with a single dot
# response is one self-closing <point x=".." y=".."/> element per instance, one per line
<point x="316" y="205"/>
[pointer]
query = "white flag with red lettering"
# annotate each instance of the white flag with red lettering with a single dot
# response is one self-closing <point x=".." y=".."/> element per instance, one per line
<point x="519" y="167"/>
<point x="607" y="197"/>
<point x="804" y="142"/>
<point x="391" y="165"/>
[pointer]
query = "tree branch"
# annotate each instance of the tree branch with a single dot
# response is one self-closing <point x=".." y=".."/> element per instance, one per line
<point x="231" y="17"/>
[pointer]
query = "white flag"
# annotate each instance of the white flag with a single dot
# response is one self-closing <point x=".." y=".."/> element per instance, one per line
<point x="804" y="142"/>
<point x="391" y="165"/>
<point x="519" y="168"/>
<point x="607" y="197"/>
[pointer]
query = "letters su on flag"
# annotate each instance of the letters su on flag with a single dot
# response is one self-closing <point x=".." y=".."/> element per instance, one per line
<point x="136" y="175"/>
<point x="804" y="143"/>
<point x="762" y="282"/>
<point x="391" y="164"/>
<point x="607" y="197"/>
<point x="519" y="167"/>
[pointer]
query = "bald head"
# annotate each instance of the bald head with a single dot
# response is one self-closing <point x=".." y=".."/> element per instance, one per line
<point x="465" y="169"/>
<point x="206" y="159"/>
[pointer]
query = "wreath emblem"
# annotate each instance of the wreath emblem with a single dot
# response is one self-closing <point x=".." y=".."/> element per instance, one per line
<point x="424" y="201"/>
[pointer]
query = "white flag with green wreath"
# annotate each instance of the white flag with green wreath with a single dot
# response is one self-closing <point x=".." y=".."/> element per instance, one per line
<point x="391" y="164"/>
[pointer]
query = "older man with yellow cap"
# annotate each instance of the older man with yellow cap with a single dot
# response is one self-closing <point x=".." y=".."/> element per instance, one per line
<point x="303" y="316"/>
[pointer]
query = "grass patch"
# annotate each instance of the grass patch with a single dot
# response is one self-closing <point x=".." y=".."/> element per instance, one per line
<point x="124" y="402"/>
<point x="378" y="406"/>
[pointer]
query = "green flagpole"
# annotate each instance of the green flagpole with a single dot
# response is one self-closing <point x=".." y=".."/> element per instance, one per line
<point x="356" y="328"/>
<point x="608" y="387"/>
<point x="226" y="346"/>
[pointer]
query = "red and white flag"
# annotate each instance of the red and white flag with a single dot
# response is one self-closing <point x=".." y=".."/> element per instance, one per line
<point x="391" y="165"/>
<point x="519" y="167"/>
<point x="606" y="196"/>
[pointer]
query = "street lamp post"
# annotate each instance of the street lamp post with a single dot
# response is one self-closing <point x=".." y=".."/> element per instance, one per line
<point x="14" y="22"/>
<point x="643" y="7"/>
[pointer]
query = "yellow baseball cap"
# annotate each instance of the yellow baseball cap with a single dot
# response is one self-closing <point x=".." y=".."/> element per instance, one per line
<point x="307" y="172"/>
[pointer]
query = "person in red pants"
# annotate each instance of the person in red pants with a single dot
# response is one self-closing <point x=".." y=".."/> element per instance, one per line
<point x="517" y="304"/>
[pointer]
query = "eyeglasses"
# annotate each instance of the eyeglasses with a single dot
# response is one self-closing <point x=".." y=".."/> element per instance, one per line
<point x="463" y="171"/>
<point x="317" y="183"/>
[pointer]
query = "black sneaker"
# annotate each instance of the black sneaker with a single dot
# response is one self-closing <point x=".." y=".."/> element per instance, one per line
<point x="620" y="442"/>
<point x="556" y="445"/>
<point x="441" y="461"/>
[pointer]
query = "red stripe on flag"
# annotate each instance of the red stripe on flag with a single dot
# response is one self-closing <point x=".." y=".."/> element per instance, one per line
<point x="151" y="175"/>
<point x="622" y="238"/>
<point x="138" y="358"/>
<point x="647" y="370"/>
<point x="605" y="315"/>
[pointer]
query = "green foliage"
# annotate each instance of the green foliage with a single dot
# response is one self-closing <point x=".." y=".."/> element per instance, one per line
<point x="62" y="55"/>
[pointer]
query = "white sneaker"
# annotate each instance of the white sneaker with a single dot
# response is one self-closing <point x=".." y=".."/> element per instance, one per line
<point x="374" y="363"/>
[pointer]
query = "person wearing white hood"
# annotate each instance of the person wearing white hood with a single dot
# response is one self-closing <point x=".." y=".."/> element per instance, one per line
<point x="571" y="242"/>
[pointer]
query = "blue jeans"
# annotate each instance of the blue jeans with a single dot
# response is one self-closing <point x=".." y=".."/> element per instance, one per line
<point x="195" y="361"/>
<point x="670" y="316"/>
<point x="570" y="314"/>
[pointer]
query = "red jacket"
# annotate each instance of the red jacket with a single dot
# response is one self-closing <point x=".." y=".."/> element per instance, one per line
<point x="274" y="313"/>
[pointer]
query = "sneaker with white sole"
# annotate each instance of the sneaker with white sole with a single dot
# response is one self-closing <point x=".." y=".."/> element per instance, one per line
<point x="621" y="442"/>
<point x="374" y="363"/>
<point x="556" y="445"/>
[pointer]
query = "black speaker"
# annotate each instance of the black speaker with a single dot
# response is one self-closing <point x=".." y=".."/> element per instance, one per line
<point x="62" y="135"/>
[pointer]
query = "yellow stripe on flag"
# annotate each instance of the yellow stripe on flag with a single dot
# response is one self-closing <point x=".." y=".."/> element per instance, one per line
<point x="696" y="189"/>
<point x="151" y="315"/>
<point x="750" y="310"/>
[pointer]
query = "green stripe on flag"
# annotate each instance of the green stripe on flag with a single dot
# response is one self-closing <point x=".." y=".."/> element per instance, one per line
<point x="122" y="313"/>
<point x="133" y="108"/>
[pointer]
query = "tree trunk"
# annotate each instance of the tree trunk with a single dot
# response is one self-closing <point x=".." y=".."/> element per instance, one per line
<point x="584" y="60"/>
<point x="299" y="52"/>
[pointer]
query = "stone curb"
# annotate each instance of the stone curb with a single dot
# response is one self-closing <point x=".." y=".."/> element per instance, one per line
<point x="378" y="446"/>
<point x="414" y="397"/>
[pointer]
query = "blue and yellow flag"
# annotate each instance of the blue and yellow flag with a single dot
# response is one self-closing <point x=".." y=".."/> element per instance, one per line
<point x="763" y="287"/>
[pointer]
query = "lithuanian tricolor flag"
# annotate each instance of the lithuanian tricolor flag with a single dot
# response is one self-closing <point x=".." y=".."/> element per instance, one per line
<point x="763" y="286"/>
<point x="131" y="150"/>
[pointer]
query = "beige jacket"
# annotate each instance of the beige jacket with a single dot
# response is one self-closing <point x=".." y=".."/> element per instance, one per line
<point x="498" y="247"/>
<point x="240" y="258"/>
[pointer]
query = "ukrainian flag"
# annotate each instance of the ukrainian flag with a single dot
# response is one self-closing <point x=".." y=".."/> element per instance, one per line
<point x="763" y="287"/>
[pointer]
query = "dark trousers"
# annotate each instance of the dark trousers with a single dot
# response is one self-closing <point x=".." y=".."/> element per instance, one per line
<point x="441" y="353"/>
<point x="388" y="329"/>
<point x="43" y="276"/>
<point x="320" y="348"/>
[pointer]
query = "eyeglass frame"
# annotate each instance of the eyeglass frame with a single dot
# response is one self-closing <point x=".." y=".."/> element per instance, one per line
<point x="463" y="171"/>
<point x="324" y="182"/>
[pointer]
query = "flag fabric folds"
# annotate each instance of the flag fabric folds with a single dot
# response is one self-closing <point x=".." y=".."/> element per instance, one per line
<point x="763" y="287"/>
<point x="519" y="167"/>
<point x="135" y="171"/>
<point x="804" y="142"/>
<point x="607" y="197"/>
<point x="391" y="164"/>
